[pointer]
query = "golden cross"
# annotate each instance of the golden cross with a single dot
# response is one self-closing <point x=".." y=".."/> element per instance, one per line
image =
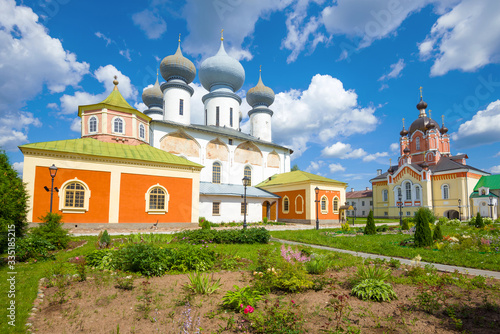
<point x="390" y="162"/>
<point x="420" y="91"/>
<point x="222" y="34"/>
<point x="403" y="122"/>
<point x="260" y="69"/>
<point x="442" y="119"/>
<point x="179" y="38"/>
<point x="430" y="113"/>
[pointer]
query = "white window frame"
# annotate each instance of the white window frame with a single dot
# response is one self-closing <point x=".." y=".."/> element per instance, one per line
<point x="220" y="172"/>
<point x="147" y="198"/>
<point x="418" y="193"/>
<point x="445" y="194"/>
<point x="325" y="211"/>
<point x="247" y="167"/>
<point x="96" y="124"/>
<point x="115" y="119"/>
<point x="417" y="143"/>
<point x="385" y="195"/>
<point x="407" y="190"/>
<point x="62" y="197"/>
<point x="333" y="204"/>
<point x="299" y="209"/>
<point x="218" y="203"/>
<point x="287" y="210"/>
<point x="143" y="128"/>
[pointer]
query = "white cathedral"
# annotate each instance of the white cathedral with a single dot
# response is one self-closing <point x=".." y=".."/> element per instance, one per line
<point x="227" y="153"/>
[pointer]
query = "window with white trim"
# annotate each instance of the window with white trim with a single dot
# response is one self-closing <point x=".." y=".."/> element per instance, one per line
<point x="118" y="125"/>
<point x="181" y="107"/>
<point x="248" y="173"/>
<point x="324" y="204"/>
<point x="408" y="191"/>
<point x="385" y="195"/>
<point x="335" y="204"/>
<point x="92" y="124"/>
<point x="216" y="172"/>
<point x="74" y="196"/>
<point x="142" y="131"/>
<point x="216" y="209"/>
<point x="157" y="199"/>
<point x="299" y="204"/>
<point x="286" y="204"/>
<point x="445" y="191"/>
<point x="231" y="117"/>
<point x="417" y="193"/>
<point x="417" y="143"/>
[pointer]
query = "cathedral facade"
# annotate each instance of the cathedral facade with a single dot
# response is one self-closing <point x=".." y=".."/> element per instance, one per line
<point x="427" y="175"/>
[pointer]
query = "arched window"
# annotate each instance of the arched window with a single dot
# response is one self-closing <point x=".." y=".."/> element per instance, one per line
<point x="417" y="193"/>
<point x="216" y="169"/>
<point x="399" y="194"/>
<point x="324" y="204"/>
<point x="445" y="191"/>
<point x="118" y="125"/>
<point x="286" y="204"/>
<point x="142" y="131"/>
<point x="157" y="198"/>
<point x="93" y="124"/>
<point x="74" y="195"/>
<point x="385" y="195"/>
<point x="248" y="173"/>
<point x="417" y="143"/>
<point x="299" y="204"/>
<point x="335" y="204"/>
<point x="408" y="191"/>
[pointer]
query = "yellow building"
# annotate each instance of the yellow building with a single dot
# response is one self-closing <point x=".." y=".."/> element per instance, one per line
<point x="427" y="175"/>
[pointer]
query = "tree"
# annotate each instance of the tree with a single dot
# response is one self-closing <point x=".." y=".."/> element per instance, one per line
<point x="437" y="235"/>
<point x="295" y="168"/>
<point x="13" y="203"/>
<point x="479" y="221"/>
<point x="423" y="234"/>
<point x="370" y="224"/>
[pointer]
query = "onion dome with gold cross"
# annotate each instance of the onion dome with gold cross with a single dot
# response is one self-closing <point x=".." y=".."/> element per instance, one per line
<point x="260" y="95"/>
<point x="177" y="66"/>
<point x="403" y="132"/>
<point x="443" y="129"/>
<point x="152" y="96"/>
<point x="221" y="71"/>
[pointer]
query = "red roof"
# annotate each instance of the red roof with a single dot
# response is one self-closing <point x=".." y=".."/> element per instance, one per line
<point x="358" y="194"/>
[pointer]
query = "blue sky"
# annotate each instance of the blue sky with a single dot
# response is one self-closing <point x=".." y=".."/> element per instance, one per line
<point x="344" y="72"/>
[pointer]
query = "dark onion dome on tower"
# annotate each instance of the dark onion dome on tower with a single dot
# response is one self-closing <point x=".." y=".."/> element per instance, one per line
<point x="403" y="132"/>
<point x="177" y="66"/>
<point x="152" y="96"/>
<point x="431" y="125"/>
<point x="422" y="104"/>
<point x="260" y="95"/>
<point x="406" y="150"/>
<point x="443" y="129"/>
<point x="421" y="124"/>
<point x="221" y="70"/>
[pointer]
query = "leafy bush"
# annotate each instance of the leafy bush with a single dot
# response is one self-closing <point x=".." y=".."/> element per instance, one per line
<point x="443" y="220"/>
<point x="405" y="226"/>
<point x="243" y="236"/>
<point x="374" y="289"/>
<point x="382" y="228"/>
<point x="52" y="230"/>
<point x="100" y="259"/>
<point x="437" y="235"/>
<point x="345" y="227"/>
<point x="33" y="247"/>
<point x="370" y="224"/>
<point x="13" y="199"/>
<point x="278" y="318"/>
<point x="124" y="282"/>
<point x="244" y="296"/>
<point x="479" y="223"/>
<point x="103" y="239"/>
<point x="264" y="221"/>
<point x="423" y="234"/>
<point x="317" y="265"/>
<point x="204" y="224"/>
<point x="202" y="284"/>
<point x="142" y="258"/>
<point x="189" y="258"/>
<point x="371" y="272"/>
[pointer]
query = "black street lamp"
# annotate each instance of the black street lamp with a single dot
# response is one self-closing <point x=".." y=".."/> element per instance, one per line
<point x="400" y="205"/>
<point x="354" y="219"/>
<point x="316" y="190"/>
<point x="459" y="209"/>
<point x="246" y="183"/>
<point x="491" y="206"/>
<point x="53" y="172"/>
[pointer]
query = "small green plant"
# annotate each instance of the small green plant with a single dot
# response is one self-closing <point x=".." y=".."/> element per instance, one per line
<point x="374" y="289"/>
<point x="277" y="317"/>
<point x="405" y="226"/>
<point x="479" y="223"/>
<point x="338" y="303"/>
<point x="345" y="227"/>
<point x="318" y="265"/>
<point x="370" y="224"/>
<point x="202" y="284"/>
<point x="124" y="282"/>
<point x="244" y="296"/>
<point x="264" y="221"/>
<point x="394" y="263"/>
<point x="51" y="229"/>
<point x="103" y="240"/>
<point x="204" y="224"/>
<point x="423" y="234"/>
<point x="81" y="268"/>
<point x="437" y="235"/>
<point x="429" y="298"/>
<point x="33" y="247"/>
<point x="371" y="272"/>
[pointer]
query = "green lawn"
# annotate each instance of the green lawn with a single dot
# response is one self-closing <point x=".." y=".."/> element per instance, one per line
<point x="388" y="245"/>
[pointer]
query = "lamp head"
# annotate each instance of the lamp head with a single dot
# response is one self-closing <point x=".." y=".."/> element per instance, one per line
<point x="316" y="190"/>
<point x="53" y="170"/>
<point x="246" y="181"/>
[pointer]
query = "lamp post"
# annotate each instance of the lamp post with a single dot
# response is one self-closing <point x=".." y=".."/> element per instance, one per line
<point x="354" y="219"/>
<point x="316" y="190"/>
<point x="246" y="182"/>
<point x="53" y="172"/>
<point x="459" y="209"/>
<point x="400" y="205"/>
<point x="491" y="206"/>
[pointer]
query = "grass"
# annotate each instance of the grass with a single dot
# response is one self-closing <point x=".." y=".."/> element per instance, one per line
<point x="388" y="245"/>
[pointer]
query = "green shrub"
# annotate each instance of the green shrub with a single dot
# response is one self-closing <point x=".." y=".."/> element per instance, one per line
<point x="317" y="265"/>
<point x="124" y="282"/>
<point x="371" y="272"/>
<point x="51" y="229"/>
<point x="423" y="234"/>
<point x="244" y="296"/>
<point x="345" y="227"/>
<point x="382" y="228"/>
<point x="264" y="221"/>
<point x="202" y="284"/>
<point x="243" y="236"/>
<point x="437" y="235"/>
<point x="103" y="239"/>
<point x="204" y="224"/>
<point x="33" y="247"/>
<point x="146" y="259"/>
<point x="101" y="259"/>
<point x="405" y="226"/>
<point x="191" y="258"/>
<point x="278" y="318"/>
<point x="374" y="289"/>
<point x="479" y="223"/>
<point x="370" y="224"/>
<point x="442" y="221"/>
<point x="13" y="207"/>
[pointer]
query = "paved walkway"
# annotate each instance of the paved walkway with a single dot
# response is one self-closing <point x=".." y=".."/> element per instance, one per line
<point x="440" y="267"/>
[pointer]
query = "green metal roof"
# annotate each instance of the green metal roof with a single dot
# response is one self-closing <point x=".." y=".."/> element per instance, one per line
<point x="475" y="194"/>
<point x="94" y="147"/>
<point x="488" y="181"/>
<point x="295" y="177"/>
<point x="116" y="99"/>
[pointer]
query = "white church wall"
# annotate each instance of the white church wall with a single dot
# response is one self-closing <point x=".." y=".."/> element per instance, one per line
<point x="230" y="209"/>
<point x="261" y="126"/>
<point x="171" y="105"/>
<point x="224" y="104"/>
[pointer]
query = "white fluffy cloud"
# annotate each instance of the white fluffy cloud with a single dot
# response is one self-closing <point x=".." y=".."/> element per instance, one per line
<point x="471" y="25"/>
<point x="395" y="72"/>
<point x="105" y="75"/>
<point x="28" y="48"/>
<point x="345" y="151"/>
<point x="18" y="167"/>
<point x="394" y="147"/>
<point x="481" y="129"/>
<point x="315" y="166"/>
<point x="150" y="22"/>
<point x="334" y="168"/>
<point x="322" y="112"/>
<point x="495" y="170"/>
